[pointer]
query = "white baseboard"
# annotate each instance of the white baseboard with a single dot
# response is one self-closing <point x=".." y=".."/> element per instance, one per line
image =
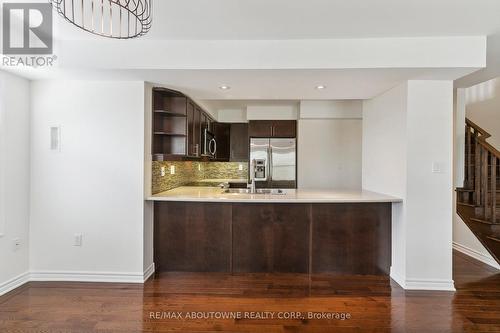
<point x="397" y="278"/>
<point x="71" y="276"/>
<point x="428" y="284"/>
<point x="14" y="283"/>
<point x="148" y="272"/>
<point x="422" y="284"/>
<point x="488" y="260"/>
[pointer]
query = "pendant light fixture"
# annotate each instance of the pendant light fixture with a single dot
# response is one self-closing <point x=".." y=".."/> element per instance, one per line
<point x="121" y="19"/>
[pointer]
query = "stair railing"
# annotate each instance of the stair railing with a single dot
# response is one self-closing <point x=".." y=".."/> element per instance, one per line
<point x="482" y="161"/>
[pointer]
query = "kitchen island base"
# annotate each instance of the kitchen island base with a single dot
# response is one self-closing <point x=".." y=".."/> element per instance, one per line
<point x="344" y="238"/>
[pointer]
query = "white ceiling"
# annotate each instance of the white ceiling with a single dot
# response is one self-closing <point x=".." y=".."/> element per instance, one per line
<point x="298" y="84"/>
<point x="298" y="20"/>
<point x="316" y="19"/>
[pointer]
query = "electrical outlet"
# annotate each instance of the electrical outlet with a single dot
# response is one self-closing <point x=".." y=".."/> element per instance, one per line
<point x="163" y="171"/>
<point x="240" y="167"/>
<point x="17" y="243"/>
<point x="199" y="167"/>
<point x="172" y="169"/>
<point x="77" y="240"/>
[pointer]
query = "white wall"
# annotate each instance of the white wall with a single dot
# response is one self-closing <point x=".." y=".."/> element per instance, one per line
<point x="429" y="195"/>
<point x="483" y="108"/>
<point x="94" y="185"/>
<point x="232" y="116"/>
<point x="406" y="131"/>
<point x="272" y="112"/>
<point x="384" y="161"/>
<point x="14" y="185"/>
<point x="329" y="145"/>
<point x="343" y="109"/>
<point x="148" y="263"/>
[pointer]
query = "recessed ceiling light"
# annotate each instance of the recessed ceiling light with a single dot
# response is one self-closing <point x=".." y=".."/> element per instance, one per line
<point x="224" y="87"/>
<point x="320" y="87"/>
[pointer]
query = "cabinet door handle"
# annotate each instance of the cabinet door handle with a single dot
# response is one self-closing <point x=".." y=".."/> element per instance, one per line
<point x="272" y="130"/>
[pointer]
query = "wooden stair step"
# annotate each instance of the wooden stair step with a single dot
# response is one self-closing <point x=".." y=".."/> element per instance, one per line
<point x="466" y="204"/>
<point x="481" y="221"/>
<point x="493" y="238"/>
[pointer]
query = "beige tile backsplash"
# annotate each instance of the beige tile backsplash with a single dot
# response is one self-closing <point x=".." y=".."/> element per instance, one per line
<point x="188" y="172"/>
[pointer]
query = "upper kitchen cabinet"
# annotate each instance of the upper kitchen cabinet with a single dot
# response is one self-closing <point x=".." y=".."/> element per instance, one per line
<point x="272" y="128"/>
<point x="232" y="141"/>
<point x="239" y="143"/>
<point x="206" y="122"/>
<point x="284" y="129"/>
<point x="222" y="133"/>
<point x="169" y="124"/>
<point x="178" y="125"/>
<point x="194" y="130"/>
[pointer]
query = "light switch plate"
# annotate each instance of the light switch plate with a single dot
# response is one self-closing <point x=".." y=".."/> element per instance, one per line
<point x="436" y="167"/>
<point x="77" y="241"/>
<point x="55" y="138"/>
<point x="172" y="169"/>
<point x="163" y="171"/>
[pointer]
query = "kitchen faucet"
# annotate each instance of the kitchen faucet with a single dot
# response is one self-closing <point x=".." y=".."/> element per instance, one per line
<point x="251" y="186"/>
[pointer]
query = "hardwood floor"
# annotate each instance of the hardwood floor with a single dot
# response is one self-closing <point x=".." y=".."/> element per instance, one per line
<point x="374" y="304"/>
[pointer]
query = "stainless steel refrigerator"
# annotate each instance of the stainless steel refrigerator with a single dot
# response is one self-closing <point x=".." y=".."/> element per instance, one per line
<point x="274" y="162"/>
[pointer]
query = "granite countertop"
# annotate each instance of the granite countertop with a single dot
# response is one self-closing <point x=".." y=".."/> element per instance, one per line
<point x="213" y="194"/>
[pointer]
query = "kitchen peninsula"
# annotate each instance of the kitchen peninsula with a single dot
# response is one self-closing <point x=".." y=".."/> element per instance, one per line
<point x="209" y="229"/>
<point x="271" y="227"/>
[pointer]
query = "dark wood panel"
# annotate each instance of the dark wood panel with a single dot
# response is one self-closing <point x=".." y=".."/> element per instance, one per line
<point x="192" y="237"/>
<point x="239" y="142"/>
<point x="284" y="129"/>
<point x="197" y="135"/>
<point x="275" y="237"/>
<point x="260" y="128"/>
<point x="222" y="133"/>
<point x="206" y="122"/>
<point x="351" y="238"/>
<point x="190" y="127"/>
<point x="272" y="128"/>
<point x="271" y="238"/>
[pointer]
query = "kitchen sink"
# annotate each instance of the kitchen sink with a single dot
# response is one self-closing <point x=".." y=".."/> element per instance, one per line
<point x="258" y="191"/>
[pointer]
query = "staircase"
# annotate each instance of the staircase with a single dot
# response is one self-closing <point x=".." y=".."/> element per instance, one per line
<point x="478" y="202"/>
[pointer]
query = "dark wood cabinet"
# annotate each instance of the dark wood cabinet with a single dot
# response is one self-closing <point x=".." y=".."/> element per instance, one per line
<point x="168" y="125"/>
<point x="260" y="128"/>
<point x="284" y="129"/>
<point x="349" y="238"/>
<point x="196" y="131"/>
<point x="346" y="238"/>
<point x="270" y="238"/>
<point x="239" y="143"/>
<point x="191" y="109"/>
<point x="272" y="128"/>
<point x="193" y="237"/>
<point x="178" y="125"/>
<point x="222" y="136"/>
<point x="206" y="122"/>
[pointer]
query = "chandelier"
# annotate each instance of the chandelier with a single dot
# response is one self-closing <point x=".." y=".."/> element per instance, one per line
<point x="122" y="19"/>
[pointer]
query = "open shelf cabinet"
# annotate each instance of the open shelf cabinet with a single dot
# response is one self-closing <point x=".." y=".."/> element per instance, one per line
<point x="169" y="124"/>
